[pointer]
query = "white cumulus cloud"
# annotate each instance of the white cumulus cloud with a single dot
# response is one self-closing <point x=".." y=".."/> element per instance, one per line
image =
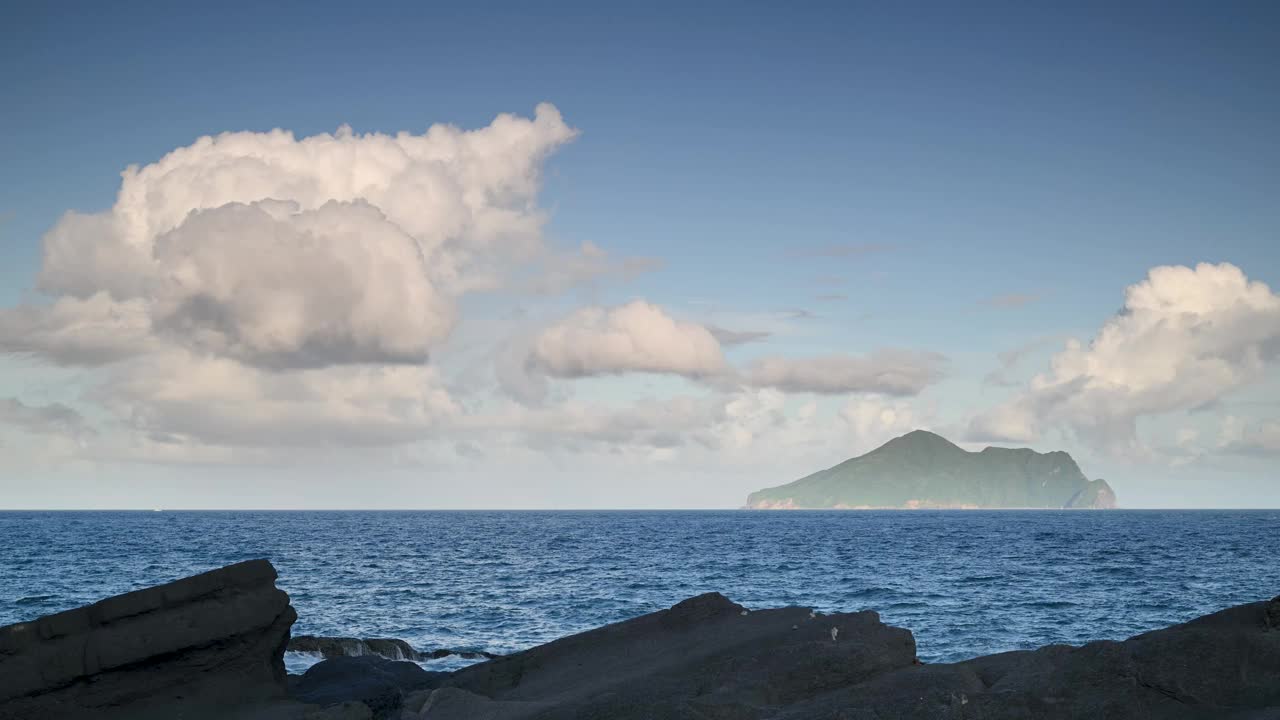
<point x="636" y="337"/>
<point x="1185" y="338"/>
<point x="257" y="289"/>
<point x="273" y="286"/>
<point x="280" y="251"/>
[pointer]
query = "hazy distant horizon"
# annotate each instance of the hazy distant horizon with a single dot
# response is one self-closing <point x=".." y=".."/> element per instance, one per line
<point x="623" y="510"/>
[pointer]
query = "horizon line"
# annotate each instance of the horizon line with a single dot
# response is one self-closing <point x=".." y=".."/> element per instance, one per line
<point x="627" y="509"/>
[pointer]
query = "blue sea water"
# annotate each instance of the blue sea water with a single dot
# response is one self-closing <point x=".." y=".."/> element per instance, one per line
<point x="967" y="583"/>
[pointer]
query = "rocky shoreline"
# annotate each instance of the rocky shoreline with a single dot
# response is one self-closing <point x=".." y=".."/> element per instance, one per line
<point x="212" y="646"/>
<point x="388" y="648"/>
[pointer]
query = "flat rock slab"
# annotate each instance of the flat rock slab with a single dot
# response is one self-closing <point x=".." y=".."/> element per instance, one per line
<point x="209" y="640"/>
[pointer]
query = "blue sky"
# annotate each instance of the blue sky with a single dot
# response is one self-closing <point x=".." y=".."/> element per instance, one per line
<point x="848" y="179"/>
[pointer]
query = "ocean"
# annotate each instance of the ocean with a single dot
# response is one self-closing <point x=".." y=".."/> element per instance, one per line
<point x="965" y="582"/>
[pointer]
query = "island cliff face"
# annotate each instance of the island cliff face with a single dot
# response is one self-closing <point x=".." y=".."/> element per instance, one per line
<point x="921" y="470"/>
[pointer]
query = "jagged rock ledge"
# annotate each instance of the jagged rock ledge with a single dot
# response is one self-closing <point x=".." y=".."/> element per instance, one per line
<point x="212" y="642"/>
<point x="211" y="646"/>
<point x="709" y="658"/>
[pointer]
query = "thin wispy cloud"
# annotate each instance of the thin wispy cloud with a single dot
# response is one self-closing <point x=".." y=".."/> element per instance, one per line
<point x="737" y="337"/>
<point x="1011" y="360"/>
<point x="887" y="372"/>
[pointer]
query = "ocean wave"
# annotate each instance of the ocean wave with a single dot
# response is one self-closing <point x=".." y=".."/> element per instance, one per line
<point x="506" y="581"/>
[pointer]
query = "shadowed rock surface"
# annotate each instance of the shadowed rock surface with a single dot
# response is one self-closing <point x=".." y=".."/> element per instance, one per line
<point x="704" y="660"/>
<point x="207" y="646"/>
<point x="706" y="657"/>
<point x="1224" y="665"/>
<point x="380" y="684"/>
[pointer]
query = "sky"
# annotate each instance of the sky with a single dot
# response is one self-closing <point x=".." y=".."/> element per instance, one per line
<point x="585" y="255"/>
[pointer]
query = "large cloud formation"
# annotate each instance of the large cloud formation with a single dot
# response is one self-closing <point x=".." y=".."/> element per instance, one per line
<point x="636" y="337"/>
<point x="270" y="285"/>
<point x="1185" y="338"/>
<point x="257" y="288"/>
<point x="279" y="252"/>
<point x="255" y="291"/>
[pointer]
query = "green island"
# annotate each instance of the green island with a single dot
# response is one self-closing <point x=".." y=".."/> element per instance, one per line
<point x="923" y="470"/>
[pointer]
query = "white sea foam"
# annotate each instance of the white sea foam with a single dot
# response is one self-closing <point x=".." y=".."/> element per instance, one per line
<point x="296" y="662"/>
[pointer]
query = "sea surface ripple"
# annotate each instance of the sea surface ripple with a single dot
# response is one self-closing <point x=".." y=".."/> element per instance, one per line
<point x="966" y="583"/>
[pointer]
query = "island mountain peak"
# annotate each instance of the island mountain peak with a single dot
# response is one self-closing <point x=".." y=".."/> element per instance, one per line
<point x="918" y="437"/>
<point x="922" y="469"/>
<point x="919" y="441"/>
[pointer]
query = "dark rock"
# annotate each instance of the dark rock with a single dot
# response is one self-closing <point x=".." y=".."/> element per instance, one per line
<point x="380" y="684"/>
<point x="342" y="711"/>
<point x="923" y="691"/>
<point x="453" y="702"/>
<point x="206" y="642"/>
<point x="473" y="655"/>
<point x="707" y="659"/>
<point x="704" y="658"/>
<point x="1211" y="667"/>
<point x="393" y="649"/>
<point x="1225" y="665"/>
